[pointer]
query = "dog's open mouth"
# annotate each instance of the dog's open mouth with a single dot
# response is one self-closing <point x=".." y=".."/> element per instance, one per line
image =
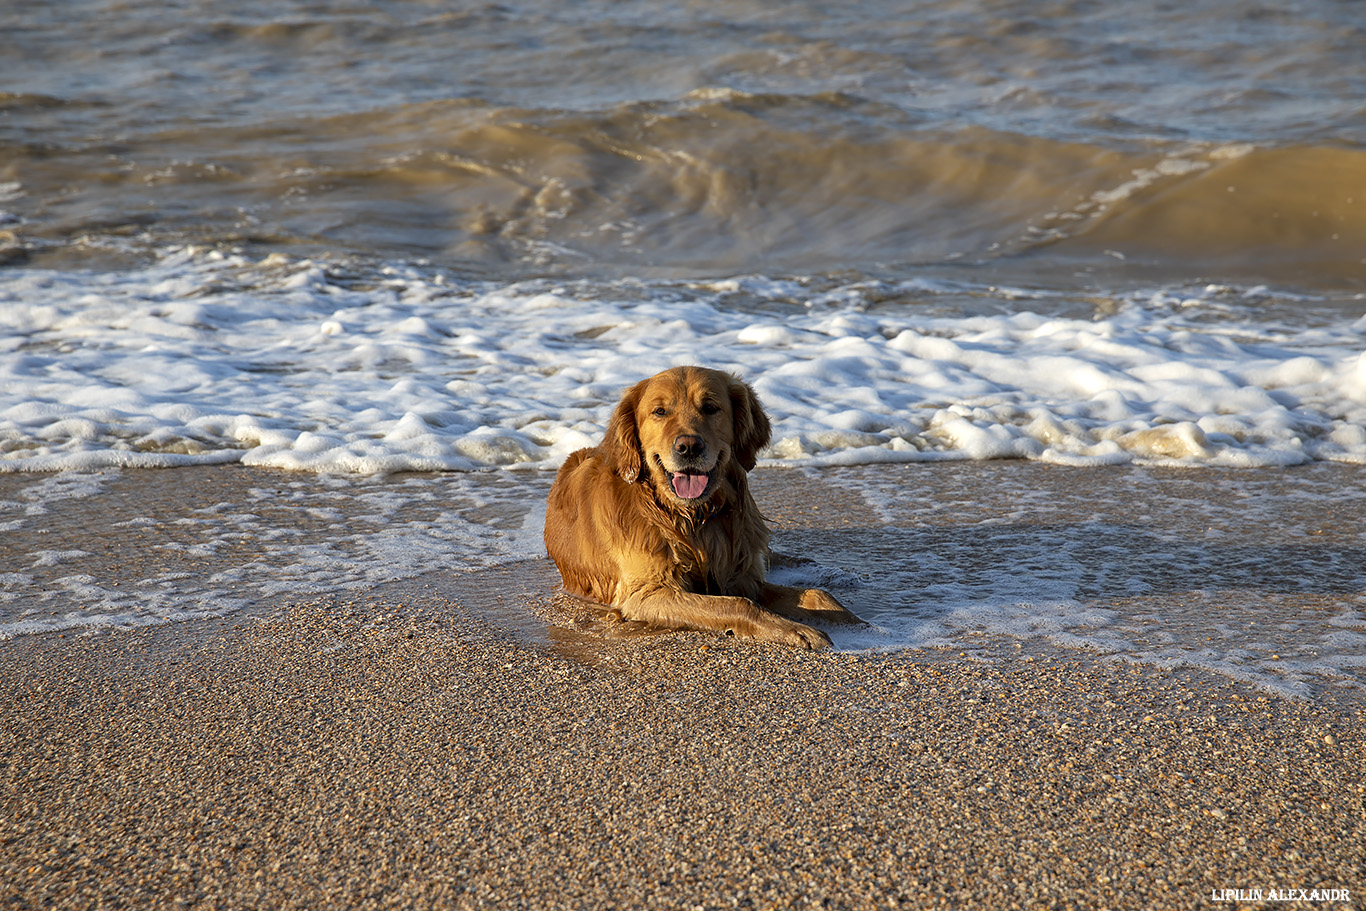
<point x="689" y="484"/>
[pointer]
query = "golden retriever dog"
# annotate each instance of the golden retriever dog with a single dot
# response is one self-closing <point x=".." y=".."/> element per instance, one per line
<point x="658" y="523"/>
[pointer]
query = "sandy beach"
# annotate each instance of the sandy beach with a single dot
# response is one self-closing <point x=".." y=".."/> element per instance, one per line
<point x="415" y="745"/>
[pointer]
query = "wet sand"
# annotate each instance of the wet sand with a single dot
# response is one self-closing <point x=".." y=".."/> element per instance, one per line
<point x="406" y="747"/>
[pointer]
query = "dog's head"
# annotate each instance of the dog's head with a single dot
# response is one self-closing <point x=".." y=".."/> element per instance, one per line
<point x="682" y="431"/>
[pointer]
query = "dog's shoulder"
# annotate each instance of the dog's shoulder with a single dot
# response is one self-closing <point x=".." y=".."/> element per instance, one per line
<point x="589" y="499"/>
<point x="587" y="474"/>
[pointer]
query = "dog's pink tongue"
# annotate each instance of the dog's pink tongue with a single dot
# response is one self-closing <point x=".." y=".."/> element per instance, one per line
<point x="690" y="486"/>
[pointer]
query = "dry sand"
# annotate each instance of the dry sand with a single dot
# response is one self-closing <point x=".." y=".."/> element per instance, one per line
<point x="398" y="749"/>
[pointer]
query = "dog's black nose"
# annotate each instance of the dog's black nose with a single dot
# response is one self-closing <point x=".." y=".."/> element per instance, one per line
<point x="689" y="446"/>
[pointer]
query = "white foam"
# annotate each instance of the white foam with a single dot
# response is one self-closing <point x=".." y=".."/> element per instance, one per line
<point x="204" y="358"/>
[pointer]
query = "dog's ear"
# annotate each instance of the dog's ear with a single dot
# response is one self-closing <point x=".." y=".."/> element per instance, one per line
<point x="621" y="444"/>
<point x="752" y="429"/>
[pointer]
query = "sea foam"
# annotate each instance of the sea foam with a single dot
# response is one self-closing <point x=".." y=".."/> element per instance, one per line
<point x="206" y="358"/>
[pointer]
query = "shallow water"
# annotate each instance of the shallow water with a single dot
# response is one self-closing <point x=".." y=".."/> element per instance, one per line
<point x="1256" y="576"/>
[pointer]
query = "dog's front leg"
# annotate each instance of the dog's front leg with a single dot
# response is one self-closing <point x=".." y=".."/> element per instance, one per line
<point x="739" y="617"/>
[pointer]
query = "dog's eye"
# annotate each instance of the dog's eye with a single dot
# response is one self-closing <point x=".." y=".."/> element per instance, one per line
<point x="660" y="412"/>
<point x="710" y="408"/>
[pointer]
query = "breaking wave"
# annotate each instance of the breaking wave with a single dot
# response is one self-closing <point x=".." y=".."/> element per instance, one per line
<point x="719" y="182"/>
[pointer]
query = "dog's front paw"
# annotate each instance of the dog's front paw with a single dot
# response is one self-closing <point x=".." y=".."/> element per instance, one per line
<point x="772" y="628"/>
<point x="797" y="635"/>
<point x="818" y="604"/>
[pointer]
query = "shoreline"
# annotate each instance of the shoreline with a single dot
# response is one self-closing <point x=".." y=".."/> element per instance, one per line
<point x="463" y="741"/>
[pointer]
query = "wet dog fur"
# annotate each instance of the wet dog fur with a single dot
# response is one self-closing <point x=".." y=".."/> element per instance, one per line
<point x="658" y="523"/>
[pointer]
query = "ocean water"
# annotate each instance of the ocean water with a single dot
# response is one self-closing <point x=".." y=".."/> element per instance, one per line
<point x="348" y="240"/>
